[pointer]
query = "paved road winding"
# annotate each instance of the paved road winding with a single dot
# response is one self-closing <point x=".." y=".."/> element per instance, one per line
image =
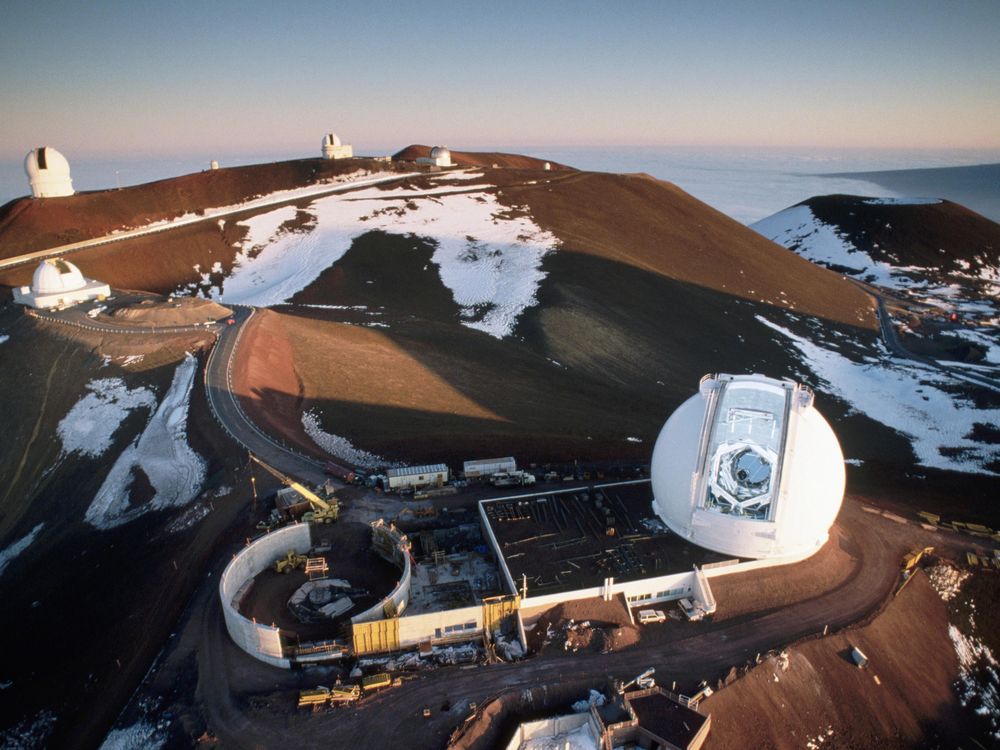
<point x="273" y="199"/>
<point x="227" y="410"/>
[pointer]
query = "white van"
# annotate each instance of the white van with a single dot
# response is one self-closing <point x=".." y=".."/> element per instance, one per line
<point x="647" y="616"/>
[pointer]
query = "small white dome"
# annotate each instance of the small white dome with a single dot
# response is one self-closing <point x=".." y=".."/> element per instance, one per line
<point x="331" y="139"/>
<point x="55" y="276"/>
<point x="440" y="152"/>
<point x="48" y="173"/>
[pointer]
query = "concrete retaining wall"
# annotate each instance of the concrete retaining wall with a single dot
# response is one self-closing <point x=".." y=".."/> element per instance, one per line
<point x="262" y="642"/>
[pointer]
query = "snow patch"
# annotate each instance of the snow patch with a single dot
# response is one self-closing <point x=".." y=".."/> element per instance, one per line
<point x="143" y="735"/>
<point x="162" y="452"/>
<point x="90" y="425"/>
<point x="798" y="229"/>
<point x="29" y="733"/>
<point x="488" y="258"/>
<point x="4" y="338"/>
<point x="978" y="677"/>
<point x="338" y="446"/>
<point x="907" y="396"/>
<point x="8" y="554"/>
<point x="904" y="201"/>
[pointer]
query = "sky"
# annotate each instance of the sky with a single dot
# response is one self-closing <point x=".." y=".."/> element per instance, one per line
<point x="131" y="77"/>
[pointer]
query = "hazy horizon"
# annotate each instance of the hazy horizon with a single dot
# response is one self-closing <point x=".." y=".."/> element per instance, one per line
<point x="115" y="78"/>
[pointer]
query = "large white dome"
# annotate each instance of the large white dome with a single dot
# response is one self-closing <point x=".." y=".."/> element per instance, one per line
<point x="440" y="152"/>
<point x="331" y="139"/>
<point x="56" y="276"/>
<point x="749" y="468"/>
<point x="48" y="173"/>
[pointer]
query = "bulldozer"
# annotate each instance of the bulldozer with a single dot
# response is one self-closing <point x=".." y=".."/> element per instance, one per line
<point x="290" y="562"/>
<point x="321" y="511"/>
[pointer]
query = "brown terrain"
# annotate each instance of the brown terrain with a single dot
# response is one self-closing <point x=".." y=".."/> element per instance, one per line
<point x="903" y="698"/>
<point x="649" y="290"/>
<point x="478" y="158"/>
<point x="941" y="235"/>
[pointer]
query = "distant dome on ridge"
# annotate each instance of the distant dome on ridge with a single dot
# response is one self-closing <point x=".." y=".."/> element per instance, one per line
<point x="48" y="173"/>
<point x="439" y="156"/>
<point x="334" y="149"/>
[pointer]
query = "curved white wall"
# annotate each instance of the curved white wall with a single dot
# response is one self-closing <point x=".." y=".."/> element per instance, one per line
<point x="262" y="642"/>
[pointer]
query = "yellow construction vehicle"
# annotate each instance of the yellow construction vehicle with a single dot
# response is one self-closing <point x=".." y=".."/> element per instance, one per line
<point x="290" y="562"/>
<point x="915" y="556"/>
<point x="910" y="561"/>
<point x="323" y="511"/>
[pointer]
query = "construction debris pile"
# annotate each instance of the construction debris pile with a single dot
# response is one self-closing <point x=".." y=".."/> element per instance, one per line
<point x="415" y="661"/>
<point x="946" y="580"/>
<point x="324" y="600"/>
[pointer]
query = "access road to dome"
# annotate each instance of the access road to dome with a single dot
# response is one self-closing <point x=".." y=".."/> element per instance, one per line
<point x="227" y="410"/>
<point x="285" y="196"/>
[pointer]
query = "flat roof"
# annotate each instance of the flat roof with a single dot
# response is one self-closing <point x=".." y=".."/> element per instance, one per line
<point x="664" y="717"/>
<point x="560" y="540"/>
<point x="409" y="471"/>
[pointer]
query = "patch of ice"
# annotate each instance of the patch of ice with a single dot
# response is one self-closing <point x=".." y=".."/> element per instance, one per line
<point x="909" y="397"/>
<point x="29" y="733"/>
<point x="854" y="461"/>
<point x="143" y="735"/>
<point x="14" y="549"/>
<point x="4" y="338"/>
<point x="132" y="359"/>
<point x="264" y="227"/>
<point x="904" y="201"/>
<point x="162" y="452"/>
<point x="978" y="677"/>
<point x="489" y="260"/>
<point x="92" y="422"/>
<point x="338" y="446"/>
<point x="634" y="439"/>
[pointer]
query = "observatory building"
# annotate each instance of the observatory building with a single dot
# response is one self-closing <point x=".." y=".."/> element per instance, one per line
<point x="58" y="283"/>
<point x="440" y="157"/>
<point x="48" y="173"/>
<point x="334" y="149"/>
<point x="749" y="468"/>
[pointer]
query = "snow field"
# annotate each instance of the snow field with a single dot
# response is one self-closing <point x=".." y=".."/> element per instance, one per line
<point x="8" y="554"/>
<point x="906" y="396"/>
<point x="91" y="424"/>
<point x="490" y="261"/>
<point x="337" y="446"/>
<point x="162" y="452"/>
<point x="798" y="229"/>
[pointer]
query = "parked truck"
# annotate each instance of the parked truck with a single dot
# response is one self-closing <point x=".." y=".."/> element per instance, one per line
<point x="345" y="475"/>
<point x="512" y="479"/>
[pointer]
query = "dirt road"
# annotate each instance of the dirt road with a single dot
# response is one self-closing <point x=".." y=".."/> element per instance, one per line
<point x="250" y="705"/>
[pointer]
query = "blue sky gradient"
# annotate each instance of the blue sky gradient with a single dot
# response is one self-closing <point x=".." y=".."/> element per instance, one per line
<point x="124" y="77"/>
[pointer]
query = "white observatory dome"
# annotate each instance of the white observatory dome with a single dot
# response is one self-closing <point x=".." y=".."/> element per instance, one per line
<point x="749" y="468"/>
<point x="440" y="152"/>
<point x="48" y="173"/>
<point x="331" y="139"/>
<point x="55" y="276"/>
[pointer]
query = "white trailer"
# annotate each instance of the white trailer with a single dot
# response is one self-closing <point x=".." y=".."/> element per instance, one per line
<point x="415" y="477"/>
<point x="487" y="467"/>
